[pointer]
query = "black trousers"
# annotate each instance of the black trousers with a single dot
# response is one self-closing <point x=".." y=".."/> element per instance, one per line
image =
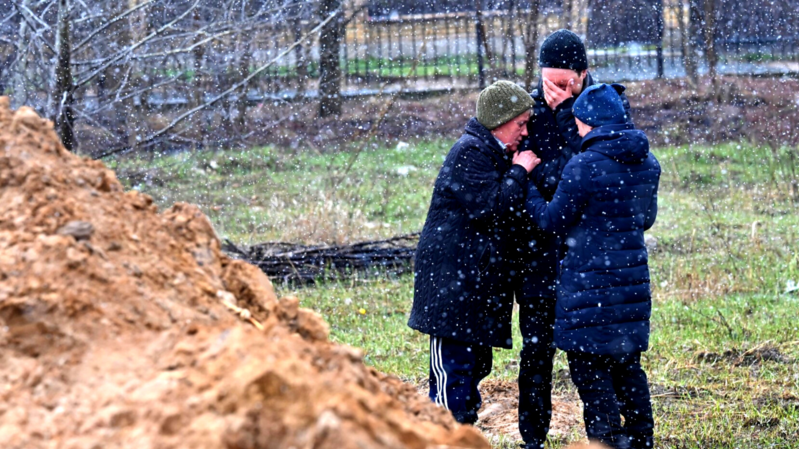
<point x="456" y="369"/>
<point x="537" y="323"/>
<point x="611" y="386"/>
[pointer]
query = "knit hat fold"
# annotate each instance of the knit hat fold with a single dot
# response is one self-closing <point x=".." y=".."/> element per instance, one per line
<point x="600" y="105"/>
<point x="501" y="102"/>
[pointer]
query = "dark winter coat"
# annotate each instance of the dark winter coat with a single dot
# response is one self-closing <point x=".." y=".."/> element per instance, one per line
<point x="553" y="136"/>
<point x="462" y="280"/>
<point x="605" y="200"/>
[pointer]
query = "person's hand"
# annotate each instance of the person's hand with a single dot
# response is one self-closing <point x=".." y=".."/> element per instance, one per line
<point x="526" y="159"/>
<point x="554" y="95"/>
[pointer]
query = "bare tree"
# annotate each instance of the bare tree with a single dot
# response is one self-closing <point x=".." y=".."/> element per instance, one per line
<point x="115" y="74"/>
<point x="530" y="43"/>
<point x="508" y="38"/>
<point x="61" y="101"/>
<point x="710" y="43"/>
<point x="687" y="43"/>
<point x="567" y="14"/>
<point x="329" y="60"/>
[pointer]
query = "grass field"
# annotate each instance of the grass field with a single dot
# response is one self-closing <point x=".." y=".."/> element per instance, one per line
<point x="724" y="363"/>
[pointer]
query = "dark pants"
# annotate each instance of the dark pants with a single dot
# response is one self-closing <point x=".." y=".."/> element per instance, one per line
<point x="537" y="323"/>
<point x="456" y="369"/>
<point x="611" y="386"/>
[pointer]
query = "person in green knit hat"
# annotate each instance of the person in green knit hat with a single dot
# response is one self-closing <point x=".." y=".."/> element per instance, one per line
<point x="462" y="296"/>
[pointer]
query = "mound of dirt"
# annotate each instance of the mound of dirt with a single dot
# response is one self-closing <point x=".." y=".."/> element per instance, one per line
<point x="124" y="327"/>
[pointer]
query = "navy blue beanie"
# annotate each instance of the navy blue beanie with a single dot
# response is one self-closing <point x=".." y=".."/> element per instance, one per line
<point x="600" y="105"/>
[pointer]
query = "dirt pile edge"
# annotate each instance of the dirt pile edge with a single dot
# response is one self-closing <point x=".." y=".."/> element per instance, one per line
<point x="124" y="327"/>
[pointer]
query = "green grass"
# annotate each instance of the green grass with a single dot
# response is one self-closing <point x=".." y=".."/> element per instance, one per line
<point x="754" y="56"/>
<point x="724" y="359"/>
<point x="264" y="194"/>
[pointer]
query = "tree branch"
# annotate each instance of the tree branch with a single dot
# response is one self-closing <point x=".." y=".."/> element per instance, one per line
<point x="232" y="89"/>
<point x="34" y="30"/>
<point x="133" y="47"/>
<point x="109" y="23"/>
<point x="180" y="50"/>
<point x="117" y="98"/>
<point x="22" y="8"/>
<point x="9" y="17"/>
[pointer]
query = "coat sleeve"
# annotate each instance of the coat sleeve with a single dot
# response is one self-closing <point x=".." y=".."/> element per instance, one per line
<point x="564" y="116"/>
<point x="553" y="159"/>
<point x="652" y="210"/>
<point x="568" y="203"/>
<point x="485" y="192"/>
<point x="547" y="174"/>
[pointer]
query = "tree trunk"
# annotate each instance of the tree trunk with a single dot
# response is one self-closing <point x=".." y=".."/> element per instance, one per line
<point x="508" y="41"/>
<point x="244" y="71"/>
<point x="198" y="80"/>
<point x="490" y="70"/>
<point x="138" y="26"/>
<point x="300" y="56"/>
<point x="330" y="60"/>
<point x="567" y="14"/>
<point x="18" y="83"/>
<point x="61" y="100"/>
<point x="660" y="30"/>
<point x="530" y="42"/>
<point x="481" y="30"/>
<point x="687" y="44"/>
<point x="243" y="49"/>
<point x="710" y="44"/>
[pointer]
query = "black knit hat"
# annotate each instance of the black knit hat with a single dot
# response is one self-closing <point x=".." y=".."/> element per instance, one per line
<point x="563" y="50"/>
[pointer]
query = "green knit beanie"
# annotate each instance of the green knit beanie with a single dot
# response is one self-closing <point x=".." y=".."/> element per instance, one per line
<point x="501" y="102"/>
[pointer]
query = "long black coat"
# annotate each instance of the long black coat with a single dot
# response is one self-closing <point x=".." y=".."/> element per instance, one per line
<point x="605" y="201"/>
<point x="553" y="136"/>
<point x="462" y="275"/>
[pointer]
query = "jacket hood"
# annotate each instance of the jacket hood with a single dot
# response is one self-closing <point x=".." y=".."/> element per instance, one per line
<point x="622" y="143"/>
<point x="476" y="129"/>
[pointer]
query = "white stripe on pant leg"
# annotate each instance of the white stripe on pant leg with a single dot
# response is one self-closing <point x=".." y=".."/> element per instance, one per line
<point x="444" y="389"/>
<point x="435" y="370"/>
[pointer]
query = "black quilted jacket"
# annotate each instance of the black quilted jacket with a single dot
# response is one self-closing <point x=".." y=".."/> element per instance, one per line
<point x="462" y="281"/>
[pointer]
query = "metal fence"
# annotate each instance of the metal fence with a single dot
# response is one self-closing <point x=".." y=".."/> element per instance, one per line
<point x="446" y="49"/>
<point x="442" y="51"/>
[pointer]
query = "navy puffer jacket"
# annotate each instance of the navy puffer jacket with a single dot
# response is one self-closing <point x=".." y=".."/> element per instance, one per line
<point x="553" y="136"/>
<point x="605" y="200"/>
<point x="462" y="285"/>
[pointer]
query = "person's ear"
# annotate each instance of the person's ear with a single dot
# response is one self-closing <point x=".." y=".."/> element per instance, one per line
<point x="583" y="75"/>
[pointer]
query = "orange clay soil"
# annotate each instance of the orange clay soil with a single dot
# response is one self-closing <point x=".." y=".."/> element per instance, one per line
<point x="124" y="327"/>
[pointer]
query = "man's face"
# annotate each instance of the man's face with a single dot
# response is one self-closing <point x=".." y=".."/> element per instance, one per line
<point x="512" y="132"/>
<point x="561" y="78"/>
